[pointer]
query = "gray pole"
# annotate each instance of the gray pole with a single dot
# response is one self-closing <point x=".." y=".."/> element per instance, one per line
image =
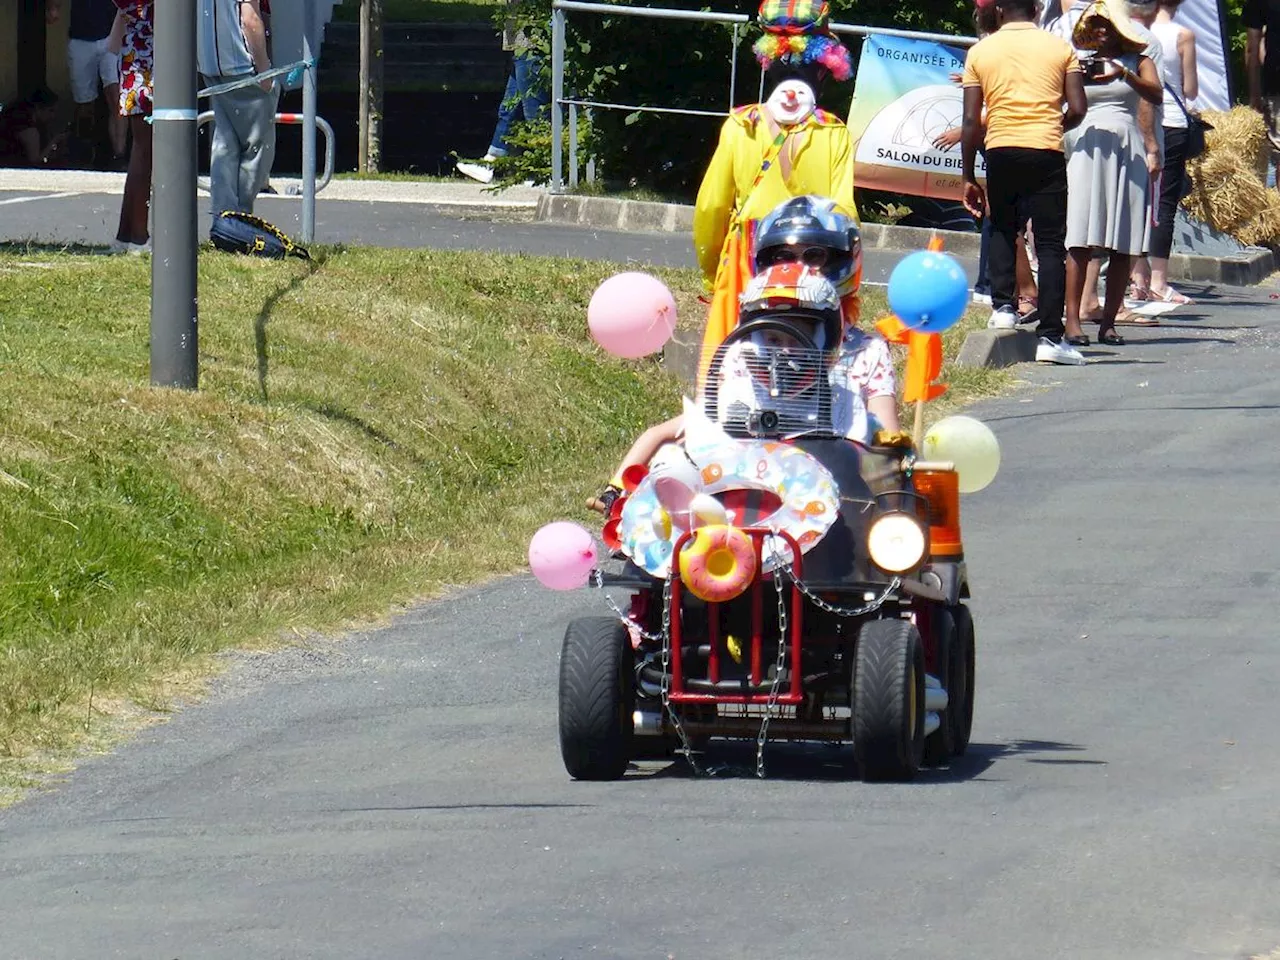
<point x="308" y="128"/>
<point x="557" y="94"/>
<point x="175" y="358"/>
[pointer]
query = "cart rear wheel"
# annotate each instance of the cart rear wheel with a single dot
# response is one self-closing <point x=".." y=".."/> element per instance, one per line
<point x="940" y="745"/>
<point x="966" y="654"/>
<point x="888" y="700"/>
<point x="597" y="699"/>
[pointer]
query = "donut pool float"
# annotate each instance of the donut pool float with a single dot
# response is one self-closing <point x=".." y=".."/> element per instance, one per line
<point x="718" y="563"/>
<point x="773" y="486"/>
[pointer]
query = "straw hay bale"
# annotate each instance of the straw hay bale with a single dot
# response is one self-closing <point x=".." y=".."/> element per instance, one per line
<point x="1229" y="186"/>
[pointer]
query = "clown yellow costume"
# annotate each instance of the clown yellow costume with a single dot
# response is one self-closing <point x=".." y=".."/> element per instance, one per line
<point x="769" y="152"/>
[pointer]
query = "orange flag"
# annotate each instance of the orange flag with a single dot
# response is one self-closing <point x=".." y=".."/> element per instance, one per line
<point x="924" y="353"/>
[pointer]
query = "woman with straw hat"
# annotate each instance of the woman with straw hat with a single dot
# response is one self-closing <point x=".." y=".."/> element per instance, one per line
<point x="771" y="151"/>
<point x="1109" y="169"/>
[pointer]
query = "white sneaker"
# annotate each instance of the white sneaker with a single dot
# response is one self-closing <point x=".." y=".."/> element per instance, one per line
<point x="1005" y="318"/>
<point x="476" y="171"/>
<point x="983" y="298"/>
<point x="1049" y="352"/>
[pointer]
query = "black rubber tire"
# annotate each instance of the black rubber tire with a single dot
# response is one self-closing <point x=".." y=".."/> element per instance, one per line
<point x="939" y="746"/>
<point x="888" y="681"/>
<point x="597" y="699"/>
<point x="966" y="654"/>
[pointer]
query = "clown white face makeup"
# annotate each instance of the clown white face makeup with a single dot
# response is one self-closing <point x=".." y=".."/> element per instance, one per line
<point x="791" y="102"/>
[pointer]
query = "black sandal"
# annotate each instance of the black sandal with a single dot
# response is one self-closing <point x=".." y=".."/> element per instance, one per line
<point x="1080" y="341"/>
<point x="1107" y="335"/>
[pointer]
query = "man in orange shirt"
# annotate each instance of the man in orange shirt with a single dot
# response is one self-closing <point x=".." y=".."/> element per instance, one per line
<point x="1023" y="76"/>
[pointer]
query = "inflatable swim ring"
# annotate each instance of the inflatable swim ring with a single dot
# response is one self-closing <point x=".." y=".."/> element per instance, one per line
<point x="718" y="564"/>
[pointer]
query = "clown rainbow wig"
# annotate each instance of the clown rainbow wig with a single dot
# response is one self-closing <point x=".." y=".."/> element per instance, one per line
<point x="800" y="49"/>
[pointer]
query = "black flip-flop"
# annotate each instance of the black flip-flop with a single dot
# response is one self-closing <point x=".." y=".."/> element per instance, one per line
<point x="1110" y="338"/>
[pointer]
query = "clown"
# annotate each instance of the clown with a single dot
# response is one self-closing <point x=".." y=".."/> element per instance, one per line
<point x="768" y="152"/>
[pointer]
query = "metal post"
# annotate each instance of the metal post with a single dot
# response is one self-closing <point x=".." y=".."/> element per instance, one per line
<point x="733" y="67"/>
<point x="175" y="357"/>
<point x="591" y="157"/>
<point x="573" y="144"/>
<point x="308" y="128"/>
<point x="557" y="94"/>
<point x="366" y="44"/>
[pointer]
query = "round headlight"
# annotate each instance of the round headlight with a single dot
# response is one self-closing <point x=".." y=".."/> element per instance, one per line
<point x="896" y="543"/>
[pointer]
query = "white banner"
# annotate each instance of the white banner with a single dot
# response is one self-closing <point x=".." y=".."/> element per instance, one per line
<point x="1205" y="18"/>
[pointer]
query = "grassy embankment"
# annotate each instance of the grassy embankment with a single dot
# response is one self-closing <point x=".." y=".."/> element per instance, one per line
<point x="373" y="428"/>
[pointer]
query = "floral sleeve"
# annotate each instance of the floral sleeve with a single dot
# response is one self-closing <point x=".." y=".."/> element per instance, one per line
<point x="865" y="367"/>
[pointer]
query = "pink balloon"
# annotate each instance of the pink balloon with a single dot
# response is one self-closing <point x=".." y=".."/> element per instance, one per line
<point x="562" y="556"/>
<point x="632" y="315"/>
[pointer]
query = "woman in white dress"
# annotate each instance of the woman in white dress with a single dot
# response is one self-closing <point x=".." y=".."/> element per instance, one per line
<point x="1182" y="86"/>
<point x="1108" y="168"/>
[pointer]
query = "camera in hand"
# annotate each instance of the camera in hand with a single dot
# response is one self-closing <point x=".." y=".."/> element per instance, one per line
<point x="1094" y="68"/>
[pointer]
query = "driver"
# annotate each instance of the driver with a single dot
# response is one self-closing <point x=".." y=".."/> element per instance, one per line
<point x="824" y="366"/>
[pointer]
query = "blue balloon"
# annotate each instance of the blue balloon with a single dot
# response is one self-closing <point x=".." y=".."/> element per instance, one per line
<point x="928" y="291"/>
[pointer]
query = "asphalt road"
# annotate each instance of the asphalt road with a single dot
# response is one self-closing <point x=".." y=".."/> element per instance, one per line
<point x="92" y="217"/>
<point x="399" y="794"/>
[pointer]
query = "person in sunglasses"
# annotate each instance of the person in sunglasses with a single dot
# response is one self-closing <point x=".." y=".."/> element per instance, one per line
<point x="856" y="366"/>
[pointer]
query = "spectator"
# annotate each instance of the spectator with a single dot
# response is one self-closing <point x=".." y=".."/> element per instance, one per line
<point x="132" y="36"/>
<point x="1023" y="75"/>
<point x="1177" y="66"/>
<point x="94" y="69"/>
<point x="526" y="94"/>
<point x="1110" y="163"/>
<point x="24" y="130"/>
<point x="231" y="44"/>
<point x="984" y="22"/>
<point x="1262" y="64"/>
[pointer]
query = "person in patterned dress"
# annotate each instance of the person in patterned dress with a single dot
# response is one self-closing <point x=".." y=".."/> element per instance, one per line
<point x="133" y="35"/>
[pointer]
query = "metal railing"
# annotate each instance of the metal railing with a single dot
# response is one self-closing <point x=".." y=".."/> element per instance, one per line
<point x="559" y="101"/>
<point x="290" y="119"/>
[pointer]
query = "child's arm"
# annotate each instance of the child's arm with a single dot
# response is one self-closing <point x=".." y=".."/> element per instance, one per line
<point x="641" y="452"/>
<point x="649" y="442"/>
<point x="885" y="409"/>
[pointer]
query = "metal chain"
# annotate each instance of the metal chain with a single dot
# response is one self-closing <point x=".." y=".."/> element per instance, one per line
<point x="869" y="607"/>
<point x="685" y="746"/>
<point x="630" y="624"/>
<point x="774" y="688"/>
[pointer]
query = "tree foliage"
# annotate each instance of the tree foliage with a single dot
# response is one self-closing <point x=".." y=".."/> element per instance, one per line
<point x="682" y="64"/>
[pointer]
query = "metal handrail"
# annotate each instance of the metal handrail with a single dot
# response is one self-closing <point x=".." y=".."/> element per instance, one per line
<point x="291" y="119"/>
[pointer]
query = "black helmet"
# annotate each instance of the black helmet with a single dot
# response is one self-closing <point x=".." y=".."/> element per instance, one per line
<point x="812" y="222"/>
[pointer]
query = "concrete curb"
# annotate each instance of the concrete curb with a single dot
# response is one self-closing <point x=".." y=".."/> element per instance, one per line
<point x="1242" y="269"/>
<point x="997" y="348"/>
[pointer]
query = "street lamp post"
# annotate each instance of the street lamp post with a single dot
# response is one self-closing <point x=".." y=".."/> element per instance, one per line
<point x="175" y="359"/>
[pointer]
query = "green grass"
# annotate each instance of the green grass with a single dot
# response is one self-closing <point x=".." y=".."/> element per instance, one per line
<point x="372" y="428"/>
<point x="424" y="11"/>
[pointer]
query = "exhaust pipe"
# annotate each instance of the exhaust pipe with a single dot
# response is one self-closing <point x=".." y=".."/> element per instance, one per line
<point x="648" y="723"/>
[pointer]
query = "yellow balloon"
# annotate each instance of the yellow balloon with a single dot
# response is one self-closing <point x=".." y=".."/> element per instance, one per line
<point x="970" y="445"/>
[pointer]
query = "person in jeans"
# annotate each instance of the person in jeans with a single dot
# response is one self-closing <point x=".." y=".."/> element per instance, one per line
<point x="1023" y="76"/>
<point x="231" y="44"/>
<point x="526" y="95"/>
